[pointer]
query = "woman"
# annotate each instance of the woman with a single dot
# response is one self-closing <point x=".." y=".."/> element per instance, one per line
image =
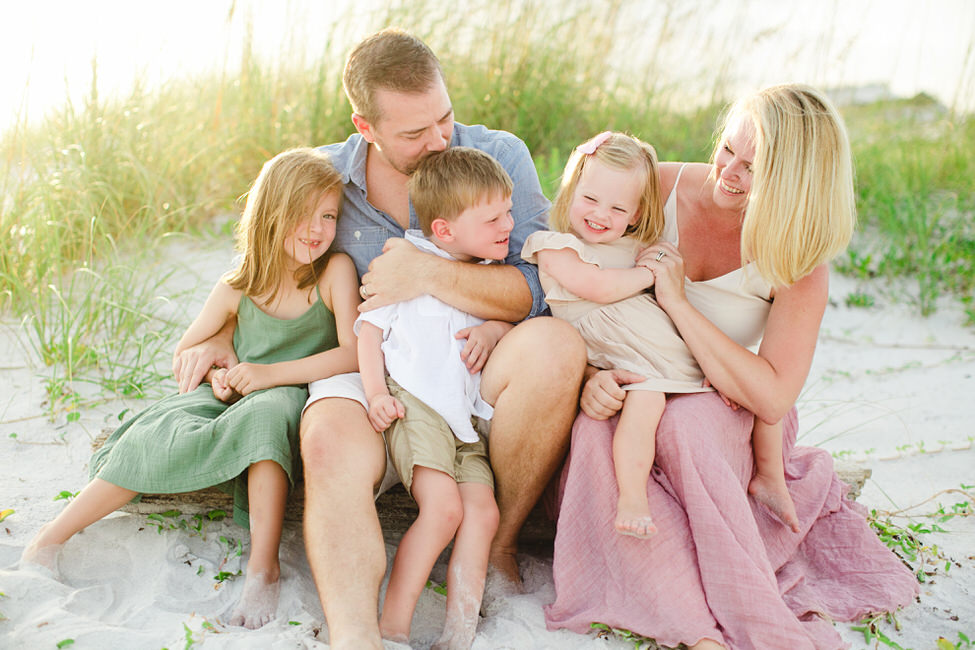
<point x="747" y="239"/>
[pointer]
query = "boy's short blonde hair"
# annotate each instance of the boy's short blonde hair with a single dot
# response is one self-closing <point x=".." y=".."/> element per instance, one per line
<point x="391" y="59"/>
<point x="802" y="208"/>
<point x="451" y="181"/>
<point x="624" y="152"/>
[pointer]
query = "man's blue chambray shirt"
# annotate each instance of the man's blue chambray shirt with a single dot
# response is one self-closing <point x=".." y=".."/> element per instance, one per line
<point x="362" y="230"/>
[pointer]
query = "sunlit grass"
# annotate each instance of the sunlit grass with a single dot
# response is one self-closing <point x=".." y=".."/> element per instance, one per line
<point x="93" y="189"/>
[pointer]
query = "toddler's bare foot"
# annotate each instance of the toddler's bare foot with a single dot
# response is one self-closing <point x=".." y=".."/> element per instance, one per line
<point x="633" y="518"/>
<point x="772" y="492"/>
<point x="259" y="601"/>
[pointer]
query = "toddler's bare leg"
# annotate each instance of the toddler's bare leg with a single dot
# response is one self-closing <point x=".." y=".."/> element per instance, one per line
<point x="98" y="499"/>
<point x="441" y="512"/>
<point x="267" y="494"/>
<point x="768" y="485"/>
<point x="633" y="452"/>
<point x="468" y="566"/>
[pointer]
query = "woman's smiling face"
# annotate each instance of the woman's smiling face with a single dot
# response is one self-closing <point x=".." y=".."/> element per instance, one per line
<point x="733" y="164"/>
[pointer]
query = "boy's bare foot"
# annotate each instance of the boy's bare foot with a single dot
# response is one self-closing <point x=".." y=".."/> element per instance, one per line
<point x="633" y="518"/>
<point x="771" y="491"/>
<point x="259" y="601"/>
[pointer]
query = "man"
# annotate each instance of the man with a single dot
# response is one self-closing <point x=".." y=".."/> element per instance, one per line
<point x="402" y="113"/>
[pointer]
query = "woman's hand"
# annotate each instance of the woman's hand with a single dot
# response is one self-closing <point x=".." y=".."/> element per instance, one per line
<point x="665" y="262"/>
<point x="602" y="395"/>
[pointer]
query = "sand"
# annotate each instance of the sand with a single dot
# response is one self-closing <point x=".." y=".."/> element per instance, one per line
<point x="889" y="389"/>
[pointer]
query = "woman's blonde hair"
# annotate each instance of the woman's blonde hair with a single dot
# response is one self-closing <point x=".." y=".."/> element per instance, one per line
<point x="801" y="209"/>
<point x="284" y="193"/>
<point x="617" y="151"/>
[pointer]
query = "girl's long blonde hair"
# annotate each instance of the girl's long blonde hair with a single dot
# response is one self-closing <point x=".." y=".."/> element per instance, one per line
<point x="618" y="151"/>
<point x="801" y="209"/>
<point x="284" y="193"/>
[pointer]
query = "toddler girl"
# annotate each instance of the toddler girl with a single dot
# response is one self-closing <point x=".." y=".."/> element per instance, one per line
<point x="607" y="213"/>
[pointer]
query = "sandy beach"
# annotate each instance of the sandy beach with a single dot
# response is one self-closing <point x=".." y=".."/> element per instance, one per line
<point x="889" y="389"/>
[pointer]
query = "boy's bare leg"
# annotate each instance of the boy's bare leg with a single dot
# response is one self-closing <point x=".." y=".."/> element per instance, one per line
<point x="98" y="499"/>
<point x="532" y="379"/>
<point x="768" y="485"/>
<point x="344" y="459"/>
<point x="633" y="452"/>
<point x="468" y="566"/>
<point x="441" y="512"/>
<point x="267" y="494"/>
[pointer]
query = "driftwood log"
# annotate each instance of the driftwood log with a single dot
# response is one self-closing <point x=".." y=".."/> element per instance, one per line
<point x="396" y="508"/>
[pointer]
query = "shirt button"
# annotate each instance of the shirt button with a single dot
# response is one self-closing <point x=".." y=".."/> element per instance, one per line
<point x="357" y="234"/>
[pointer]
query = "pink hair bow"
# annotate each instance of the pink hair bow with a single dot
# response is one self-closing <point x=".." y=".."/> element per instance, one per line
<point x="589" y="147"/>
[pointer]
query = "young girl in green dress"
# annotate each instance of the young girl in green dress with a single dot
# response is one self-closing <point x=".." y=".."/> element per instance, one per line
<point x="294" y="305"/>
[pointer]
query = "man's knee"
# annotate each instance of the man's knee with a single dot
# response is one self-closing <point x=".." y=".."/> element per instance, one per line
<point x="336" y="438"/>
<point x="546" y="350"/>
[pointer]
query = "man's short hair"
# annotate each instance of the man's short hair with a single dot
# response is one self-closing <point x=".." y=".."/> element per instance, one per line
<point x="391" y="59"/>
<point x="451" y="181"/>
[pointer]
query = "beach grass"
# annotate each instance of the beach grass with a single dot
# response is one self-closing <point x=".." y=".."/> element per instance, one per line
<point x="92" y="190"/>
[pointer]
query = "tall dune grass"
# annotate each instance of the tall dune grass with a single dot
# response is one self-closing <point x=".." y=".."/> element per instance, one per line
<point x="100" y="184"/>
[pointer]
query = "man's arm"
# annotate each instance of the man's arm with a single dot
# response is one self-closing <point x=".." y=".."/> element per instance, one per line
<point x="488" y="291"/>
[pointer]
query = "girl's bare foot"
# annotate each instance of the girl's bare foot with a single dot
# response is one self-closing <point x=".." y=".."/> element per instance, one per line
<point x="771" y="491"/>
<point x="633" y="518"/>
<point x="43" y="555"/>
<point x="259" y="601"/>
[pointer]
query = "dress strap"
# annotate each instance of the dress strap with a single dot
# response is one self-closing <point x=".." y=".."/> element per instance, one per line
<point x="670" y="211"/>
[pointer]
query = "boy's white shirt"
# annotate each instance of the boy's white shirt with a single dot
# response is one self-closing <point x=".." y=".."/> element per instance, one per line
<point x="423" y="357"/>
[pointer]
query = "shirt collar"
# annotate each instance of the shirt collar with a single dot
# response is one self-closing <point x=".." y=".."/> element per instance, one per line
<point x="357" y="164"/>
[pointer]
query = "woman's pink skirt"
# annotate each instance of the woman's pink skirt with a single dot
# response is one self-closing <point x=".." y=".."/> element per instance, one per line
<point x="721" y="567"/>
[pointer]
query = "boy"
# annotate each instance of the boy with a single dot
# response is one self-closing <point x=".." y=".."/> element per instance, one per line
<point x="434" y="353"/>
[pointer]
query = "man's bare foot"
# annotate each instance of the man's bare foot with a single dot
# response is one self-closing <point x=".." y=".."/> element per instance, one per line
<point x="259" y="601"/>
<point x="633" y="518"/>
<point x="771" y="491"/>
<point x="503" y="564"/>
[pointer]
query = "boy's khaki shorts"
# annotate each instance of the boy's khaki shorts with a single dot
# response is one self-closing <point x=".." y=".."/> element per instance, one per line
<point x="423" y="438"/>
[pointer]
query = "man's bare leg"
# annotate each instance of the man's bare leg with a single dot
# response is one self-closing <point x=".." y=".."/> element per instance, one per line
<point x="344" y="458"/>
<point x="532" y="379"/>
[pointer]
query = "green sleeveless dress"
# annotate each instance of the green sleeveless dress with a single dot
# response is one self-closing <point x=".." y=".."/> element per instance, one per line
<point x="193" y="441"/>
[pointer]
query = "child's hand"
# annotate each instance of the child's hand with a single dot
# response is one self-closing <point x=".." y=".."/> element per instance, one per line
<point x="481" y="341"/>
<point x="223" y="392"/>
<point x="383" y="409"/>
<point x="246" y="378"/>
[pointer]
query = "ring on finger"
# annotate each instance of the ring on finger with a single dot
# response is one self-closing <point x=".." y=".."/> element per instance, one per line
<point x="363" y="292"/>
<point x="660" y="256"/>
